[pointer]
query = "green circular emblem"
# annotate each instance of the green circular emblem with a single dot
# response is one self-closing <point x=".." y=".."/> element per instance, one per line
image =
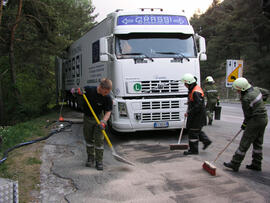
<point x="137" y="87"/>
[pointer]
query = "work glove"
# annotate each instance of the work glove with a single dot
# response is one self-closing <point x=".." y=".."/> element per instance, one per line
<point x="102" y="125"/>
<point x="72" y="91"/>
<point x="80" y="91"/>
<point x="243" y="126"/>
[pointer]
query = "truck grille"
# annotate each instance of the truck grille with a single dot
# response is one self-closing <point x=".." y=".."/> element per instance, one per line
<point x="160" y="104"/>
<point x="162" y="86"/>
<point x="161" y="116"/>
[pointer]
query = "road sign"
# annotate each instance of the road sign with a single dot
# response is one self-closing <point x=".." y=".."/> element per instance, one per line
<point x="234" y="70"/>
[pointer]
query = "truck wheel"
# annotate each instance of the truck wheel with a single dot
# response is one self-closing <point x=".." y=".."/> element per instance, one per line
<point x="114" y="132"/>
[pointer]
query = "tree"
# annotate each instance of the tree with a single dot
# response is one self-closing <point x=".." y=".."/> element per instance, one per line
<point x="1" y="9"/>
<point x="32" y="33"/>
<point x="11" y="50"/>
<point x="236" y="30"/>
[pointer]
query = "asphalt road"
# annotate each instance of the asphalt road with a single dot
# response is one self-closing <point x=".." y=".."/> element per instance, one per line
<point x="159" y="174"/>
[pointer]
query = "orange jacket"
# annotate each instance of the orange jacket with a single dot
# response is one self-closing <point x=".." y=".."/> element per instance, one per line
<point x="197" y="88"/>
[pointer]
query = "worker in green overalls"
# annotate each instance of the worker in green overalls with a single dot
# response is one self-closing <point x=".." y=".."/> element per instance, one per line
<point x="212" y="97"/>
<point x="254" y="124"/>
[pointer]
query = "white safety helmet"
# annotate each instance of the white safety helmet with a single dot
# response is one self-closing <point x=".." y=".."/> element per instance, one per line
<point x="241" y="84"/>
<point x="209" y="79"/>
<point x="188" y="78"/>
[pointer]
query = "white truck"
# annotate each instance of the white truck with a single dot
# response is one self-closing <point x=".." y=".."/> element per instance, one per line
<point x="144" y="52"/>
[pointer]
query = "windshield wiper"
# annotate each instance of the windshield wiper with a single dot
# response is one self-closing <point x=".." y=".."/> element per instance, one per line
<point x="179" y="55"/>
<point x="141" y="56"/>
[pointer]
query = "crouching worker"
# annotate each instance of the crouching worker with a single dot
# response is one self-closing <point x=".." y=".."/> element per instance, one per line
<point x="195" y="115"/>
<point x="101" y="103"/>
<point x="254" y="124"/>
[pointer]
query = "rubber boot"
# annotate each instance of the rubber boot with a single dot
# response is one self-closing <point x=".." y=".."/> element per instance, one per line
<point x="205" y="140"/>
<point x="231" y="166"/>
<point x="90" y="162"/>
<point x="206" y="144"/>
<point x="254" y="168"/>
<point x="189" y="152"/>
<point x="99" y="165"/>
<point x="193" y="150"/>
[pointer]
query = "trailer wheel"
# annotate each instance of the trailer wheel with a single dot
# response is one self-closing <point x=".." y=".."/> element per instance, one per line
<point x="73" y="103"/>
<point x="68" y="102"/>
<point x="76" y="104"/>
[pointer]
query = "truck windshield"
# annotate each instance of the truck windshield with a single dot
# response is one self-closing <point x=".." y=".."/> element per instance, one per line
<point x="155" y="45"/>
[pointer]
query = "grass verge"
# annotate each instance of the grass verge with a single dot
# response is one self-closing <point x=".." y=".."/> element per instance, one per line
<point x="23" y="164"/>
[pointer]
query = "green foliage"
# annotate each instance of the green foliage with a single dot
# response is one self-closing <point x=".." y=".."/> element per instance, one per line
<point x="44" y="29"/>
<point x="4" y="171"/>
<point x="20" y="133"/>
<point x="23" y="164"/>
<point x="236" y="30"/>
<point x="35" y="93"/>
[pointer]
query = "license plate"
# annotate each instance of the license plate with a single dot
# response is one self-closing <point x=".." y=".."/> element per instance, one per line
<point x="161" y="124"/>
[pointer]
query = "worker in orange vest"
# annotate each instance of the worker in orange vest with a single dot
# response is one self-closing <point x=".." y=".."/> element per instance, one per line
<point x="195" y="115"/>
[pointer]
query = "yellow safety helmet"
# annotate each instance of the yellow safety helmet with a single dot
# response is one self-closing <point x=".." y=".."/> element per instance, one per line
<point x="188" y="78"/>
<point x="241" y="84"/>
<point x="209" y="79"/>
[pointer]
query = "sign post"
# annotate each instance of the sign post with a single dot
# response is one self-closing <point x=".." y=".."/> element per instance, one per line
<point x="234" y="70"/>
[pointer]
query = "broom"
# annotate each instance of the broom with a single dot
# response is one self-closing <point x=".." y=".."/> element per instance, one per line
<point x="180" y="146"/>
<point x="209" y="167"/>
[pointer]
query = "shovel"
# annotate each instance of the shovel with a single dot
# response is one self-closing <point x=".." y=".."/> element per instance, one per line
<point x="115" y="155"/>
<point x="180" y="146"/>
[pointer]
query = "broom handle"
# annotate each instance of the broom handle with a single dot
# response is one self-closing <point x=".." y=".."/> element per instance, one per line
<point x="182" y="129"/>
<point x="228" y="145"/>
<point x="98" y="122"/>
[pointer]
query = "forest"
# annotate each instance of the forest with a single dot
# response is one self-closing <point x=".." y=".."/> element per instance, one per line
<point x="239" y="30"/>
<point x="34" y="32"/>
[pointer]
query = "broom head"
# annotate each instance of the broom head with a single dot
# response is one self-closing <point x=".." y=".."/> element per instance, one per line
<point x="210" y="168"/>
<point x="179" y="146"/>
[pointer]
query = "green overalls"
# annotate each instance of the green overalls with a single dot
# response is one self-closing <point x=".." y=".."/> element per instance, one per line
<point x="93" y="138"/>
<point x="211" y="94"/>
<point x="256" y="120"/>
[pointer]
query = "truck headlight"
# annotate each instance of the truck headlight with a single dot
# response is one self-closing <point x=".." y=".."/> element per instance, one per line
<point x="122" y="109"/>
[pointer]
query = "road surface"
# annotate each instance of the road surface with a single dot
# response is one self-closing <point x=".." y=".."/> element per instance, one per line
<point x="159" y="175"/>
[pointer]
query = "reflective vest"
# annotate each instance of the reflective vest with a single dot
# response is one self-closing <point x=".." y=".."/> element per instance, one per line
<point x="197" y="88"/>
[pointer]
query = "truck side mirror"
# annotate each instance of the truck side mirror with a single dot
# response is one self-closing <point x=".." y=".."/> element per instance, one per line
<point x="203" y="57"/>
<point x="202" y="47"/>
<point x="103" y="49"/>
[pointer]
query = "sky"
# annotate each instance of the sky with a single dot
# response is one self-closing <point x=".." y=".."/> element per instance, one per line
<point x="104" y="7"/>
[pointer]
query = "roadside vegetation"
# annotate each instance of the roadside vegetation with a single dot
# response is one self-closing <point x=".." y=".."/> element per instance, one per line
<point x="32" y="34"/>
<point x="235" y="29"/>
<point x="23" y="164"/>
